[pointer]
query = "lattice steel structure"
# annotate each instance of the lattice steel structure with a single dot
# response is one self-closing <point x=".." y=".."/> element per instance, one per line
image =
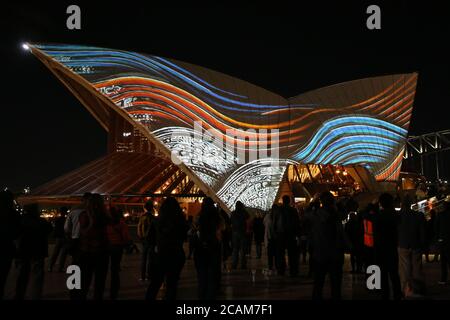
<point x="434" y="144"/>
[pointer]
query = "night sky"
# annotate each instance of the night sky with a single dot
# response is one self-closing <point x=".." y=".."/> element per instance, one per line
<point x="46" y="132"/>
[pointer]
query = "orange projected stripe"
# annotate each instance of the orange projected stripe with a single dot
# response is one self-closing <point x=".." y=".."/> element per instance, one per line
<point x="186" y="106"/>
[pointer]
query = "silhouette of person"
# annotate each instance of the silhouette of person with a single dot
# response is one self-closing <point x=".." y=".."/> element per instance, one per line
<point x="61" y="244"/>
<point x="430" y="237"/>
<point x="386" y="241"/>
<point x="171" y="233"/>
<point x="72" y="230"/>
<point x="118" y="238"/>
<point x="411" y="242"/>
<point x="191" y="235"/>
<point x="327" y="237"/>
<point x="94" y="253"/>
<point x="258" y="233"/>
<point x="443" y="239"/>
<point x="148" y="240"/>
<point x="207" y="254"/>
<point x="355" y="232"/>
<point x="239" y="219"/>
<point x="9" y="231"/>
<point x="226" y="236"/>
<point x="269" y="237"/>
<point x="32" y="249"/>
<point x="287" y="234"/>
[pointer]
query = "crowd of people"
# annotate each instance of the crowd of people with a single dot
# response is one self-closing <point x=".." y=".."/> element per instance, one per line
<point x="91" y="234"/>
<point x="318" y="235"/>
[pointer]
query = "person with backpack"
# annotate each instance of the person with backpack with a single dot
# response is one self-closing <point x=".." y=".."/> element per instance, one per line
<point x="72" y="228"/>
<point x="118" y="238"/>
<point x="94" y="246"/>
<point x="369" y="217"/>
<point x="147" y="238"/>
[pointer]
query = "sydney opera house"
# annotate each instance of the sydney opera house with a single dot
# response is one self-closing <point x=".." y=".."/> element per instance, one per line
<point x="175" y="128"/>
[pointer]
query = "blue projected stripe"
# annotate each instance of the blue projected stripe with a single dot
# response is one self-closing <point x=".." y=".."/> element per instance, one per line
<point x="197" y="78"/>
<point x="351" y="154"/>
<point x="332" y="153"/>
<point x="353" y="140"/>
<point x="314" y="149"/>
<point x="134" y="60"/>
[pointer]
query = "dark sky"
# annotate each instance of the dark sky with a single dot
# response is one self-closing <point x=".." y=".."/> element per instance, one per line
<point x="45" y="131"/>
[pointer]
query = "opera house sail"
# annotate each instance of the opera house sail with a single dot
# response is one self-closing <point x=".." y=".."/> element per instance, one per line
<point x="209" y="123"/>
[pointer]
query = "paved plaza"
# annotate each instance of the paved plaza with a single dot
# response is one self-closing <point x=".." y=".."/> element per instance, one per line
<point x="253" y="283"/>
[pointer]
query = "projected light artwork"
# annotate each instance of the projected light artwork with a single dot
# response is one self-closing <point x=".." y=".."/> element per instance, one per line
<point x="357" y="123"/>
